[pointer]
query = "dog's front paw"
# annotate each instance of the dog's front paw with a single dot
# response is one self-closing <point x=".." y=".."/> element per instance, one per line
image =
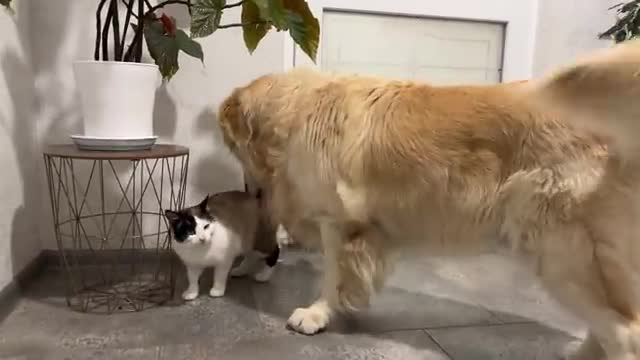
<point x="190" y="294"/>
<point x="308" y="321"/>
<point x="216" y="292"/>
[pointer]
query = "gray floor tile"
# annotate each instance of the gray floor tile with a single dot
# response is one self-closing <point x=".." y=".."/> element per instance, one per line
<point x="460" y="300"/>
<point x="28" y="352"/>
<point x="499" y="284"/>
<point x="197" y="350"/>
<point x="399" y="309"/>
<point x="508" y="342"/>
<point x="410" y="345"/>
<point x="222" y="321"/>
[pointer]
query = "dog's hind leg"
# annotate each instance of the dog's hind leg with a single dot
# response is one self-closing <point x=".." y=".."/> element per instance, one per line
<point x="570" y="268"/>
<point x="355" y="266"/>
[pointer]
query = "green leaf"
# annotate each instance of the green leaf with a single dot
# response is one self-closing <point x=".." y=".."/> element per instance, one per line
<point x="205" y="17"/>
<point x="162" y="47"/>
<point x="627" y="25"/>
<point x="272" y="11"/>
<point x="263" y="6"/>
<point x="188" y="45"/>
<point x="303" y="26"/>
<point x="255" y="30"/>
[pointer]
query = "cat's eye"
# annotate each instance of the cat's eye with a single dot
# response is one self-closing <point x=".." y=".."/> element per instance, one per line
<point x="206" y="226"/>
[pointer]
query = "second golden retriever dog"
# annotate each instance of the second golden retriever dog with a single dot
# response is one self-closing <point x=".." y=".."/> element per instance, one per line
<point x="365" y="167"/>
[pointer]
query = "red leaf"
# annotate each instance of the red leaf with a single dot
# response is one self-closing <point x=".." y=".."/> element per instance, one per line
<point x="169" y="24"/>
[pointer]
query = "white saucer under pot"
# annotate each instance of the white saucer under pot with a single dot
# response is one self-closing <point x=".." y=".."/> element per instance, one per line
<point x="96" y="143"/>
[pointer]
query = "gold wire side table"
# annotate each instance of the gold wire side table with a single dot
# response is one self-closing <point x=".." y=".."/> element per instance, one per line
<point x="110" y="229"/>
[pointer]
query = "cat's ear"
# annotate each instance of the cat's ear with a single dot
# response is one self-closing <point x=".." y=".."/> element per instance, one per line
<point x="172" y="216"/>
<point x="204" y="205"/>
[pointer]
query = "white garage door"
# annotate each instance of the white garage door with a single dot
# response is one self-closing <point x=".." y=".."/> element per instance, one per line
<point x="439" y="51"/>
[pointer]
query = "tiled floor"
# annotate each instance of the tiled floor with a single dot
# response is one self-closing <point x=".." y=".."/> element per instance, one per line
<point x="462" y="309"/>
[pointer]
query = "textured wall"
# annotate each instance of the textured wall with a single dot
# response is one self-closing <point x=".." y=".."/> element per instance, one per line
<point x="567" y="29"/>
<point x="19" y="203"/>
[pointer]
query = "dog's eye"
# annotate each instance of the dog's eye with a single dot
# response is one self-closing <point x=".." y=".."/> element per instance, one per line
<point x="206" y="226"/>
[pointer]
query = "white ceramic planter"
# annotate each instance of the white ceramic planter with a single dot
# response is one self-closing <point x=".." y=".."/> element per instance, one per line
<point x="117" y="98"/>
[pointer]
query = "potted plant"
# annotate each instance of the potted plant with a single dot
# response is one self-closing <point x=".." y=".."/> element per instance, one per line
<point x="627" y="25"/>
<point x="117" y="89"/>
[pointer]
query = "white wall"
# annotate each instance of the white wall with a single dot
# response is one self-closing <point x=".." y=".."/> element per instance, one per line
<point x="19" y="243"/>
<point x="520" y="17"/>
<point x="62" y="32"/>
<point x="567" y="29"/>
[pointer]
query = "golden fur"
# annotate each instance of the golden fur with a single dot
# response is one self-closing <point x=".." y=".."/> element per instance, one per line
<point x="363" y="167"/>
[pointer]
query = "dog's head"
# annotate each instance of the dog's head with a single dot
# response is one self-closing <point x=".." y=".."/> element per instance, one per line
<point x="256" y="119"/>
<point x="234" y="121"/>
<point x="239" y="120"/>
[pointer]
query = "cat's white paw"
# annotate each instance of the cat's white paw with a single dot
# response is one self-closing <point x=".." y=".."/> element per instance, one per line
<point x="216" y="292"/>
<point x="283" y="238"/>
<point x="190" y="294"/>
<point x="263" y="275"/>
<point x="308" y="321"/>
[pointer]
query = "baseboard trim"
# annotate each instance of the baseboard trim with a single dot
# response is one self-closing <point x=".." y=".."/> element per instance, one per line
<point x="10" y="294"/>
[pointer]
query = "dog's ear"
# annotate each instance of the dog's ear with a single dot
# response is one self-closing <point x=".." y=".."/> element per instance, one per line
<point x="234" y="121"/>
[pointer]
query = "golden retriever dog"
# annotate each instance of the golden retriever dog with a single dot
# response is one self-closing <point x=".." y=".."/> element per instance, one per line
<point x="364" y="167"/>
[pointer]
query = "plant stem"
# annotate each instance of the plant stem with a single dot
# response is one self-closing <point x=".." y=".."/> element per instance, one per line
<point x="128" y="56"/>
<point x="138" y="57"/>
<point x="168" y="2"/>
<point x="117" y="49"/>
<point x="130" y="4"/>
<point x="239" y="3"/>
<point x="96" y="53"/>
<point x="240" y="24"/>
<point x="127" y="23"/>
<point x="105" y="33"/>
<point x="615" y="6"/>
<point x="134" y="52"/>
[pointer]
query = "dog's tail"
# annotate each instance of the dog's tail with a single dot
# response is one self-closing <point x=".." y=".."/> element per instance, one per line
<point x="600" y="93"/>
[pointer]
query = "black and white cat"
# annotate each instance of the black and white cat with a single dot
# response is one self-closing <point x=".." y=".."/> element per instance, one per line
<point x="218" y="230"/>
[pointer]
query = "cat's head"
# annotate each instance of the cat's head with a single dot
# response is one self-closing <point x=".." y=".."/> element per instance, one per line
<point x="191" y="225"/>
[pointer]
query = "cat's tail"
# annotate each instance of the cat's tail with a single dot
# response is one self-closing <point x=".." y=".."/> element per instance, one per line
<point x="600" y="93"/>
